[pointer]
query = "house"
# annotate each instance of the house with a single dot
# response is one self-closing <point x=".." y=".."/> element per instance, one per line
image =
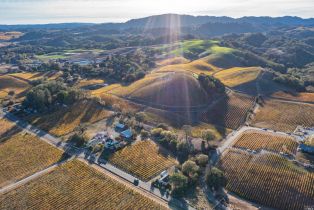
<point x="306" y="148"/>
<point x="120" y="127"/>
<point x="127" y="134"/>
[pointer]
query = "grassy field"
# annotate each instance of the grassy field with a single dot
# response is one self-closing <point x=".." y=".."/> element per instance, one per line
<point x="284" y="116"/>
<point x="172" y="61"/>
<point x="196" y="67"/>
<point x="66" y="119"/>
<point x="47" y="57"/>
<point x="256" y="140"/>
<point x="199" y="47"/>
<point x="22" y="155"/>
<point x="268" y="179"/>
<point x="6" y="36"/>
<point x="8" y="83"/>
<point x="238" y="76"/>
<point x="142" y="159"/>
<point x="88" y="82"/>
<point x="305" y="97"/>
<point x="75" y="185"/>
<point x="230" y="112"/>
<point x="120" y="90"/>
<point x="171" y="90"/>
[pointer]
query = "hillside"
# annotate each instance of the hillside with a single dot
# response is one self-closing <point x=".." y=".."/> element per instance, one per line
<point x="167" y="90"/>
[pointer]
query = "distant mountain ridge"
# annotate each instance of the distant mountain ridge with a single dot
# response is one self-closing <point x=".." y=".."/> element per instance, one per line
<point x="174" y="20"/>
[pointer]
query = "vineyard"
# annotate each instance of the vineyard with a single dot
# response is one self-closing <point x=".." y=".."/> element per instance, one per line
<point x="268" y="179"/>
<point x="305" y="97"/>
<point x="5" y="127"/>
<point x="230" y="112"/>
<point x="142" y="159"/>
<point x="8" y="84"/>
<point x="256" y="140"/>
<point x="22" y="155"/>
<point x="66" y="119"/>
<point x="284" y="116"/>
<point x="75" y="185"/>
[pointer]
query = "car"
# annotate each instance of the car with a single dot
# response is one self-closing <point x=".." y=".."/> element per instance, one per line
<point x="136" y="182"/>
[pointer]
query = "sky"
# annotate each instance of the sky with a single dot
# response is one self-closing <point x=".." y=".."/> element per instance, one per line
<point x="101" y="11"/>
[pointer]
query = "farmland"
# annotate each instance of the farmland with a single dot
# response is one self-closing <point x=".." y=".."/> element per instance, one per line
<point x="256" y="140"/>
<point x="136" y="160"/>
<point x="66" y="119"/>
<point x="305" y="97"/>
<point x="5" y="127"/>
<point x="268" y="179"/>
<point x="284" y="116"/>
<point x="27" y="76"/>
<point x="229" y="112"/>
<point x="75" y="185"/>
<point x="8" y="83"/>
<point x="22" y="155"/>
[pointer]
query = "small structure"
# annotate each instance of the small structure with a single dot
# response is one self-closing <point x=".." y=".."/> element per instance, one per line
<point x="127" y="134"/>
<point x="306" y="148"/>
<point x="120" y="127"/>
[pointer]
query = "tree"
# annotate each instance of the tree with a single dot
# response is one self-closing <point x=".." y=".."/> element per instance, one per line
<point x="215" y="178"/>
<point x="187" y="130"/>
<point x="190" y="169"/>
<point x="179" y="184"/>
<point x="208" y="135"/>
<point x="183" y="150"/>
<point x="202" y="160"/>
<point x="77" y="139"/>
<point x="144" y="134"/>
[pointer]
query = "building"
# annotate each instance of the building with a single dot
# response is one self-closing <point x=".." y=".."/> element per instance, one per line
<point x="306" y="148"/>
<point x="127" y="134"/>
<point x="120" y="127"/>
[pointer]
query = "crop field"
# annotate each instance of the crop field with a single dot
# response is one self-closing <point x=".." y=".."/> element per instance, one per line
<point x="88" y="82"/>
<point x="238" y="76"/>
<point x="23" y="154"/>
<point x="305" y="97"/>
<point x="284" y="116"/>
<point x="6" y="127"/>
<point x="75" y="185"/>
<point x="142" y="159"/>
<point x="256" y="140"/>
<point x="230" y="112"/>
<point x="268" y="179"/>
<point x="8" y="84"/>
<point x="66" y="119"/>
<point x="26" y="75"/>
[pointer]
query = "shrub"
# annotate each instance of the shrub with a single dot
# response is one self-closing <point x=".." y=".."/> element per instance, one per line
<point x="202" y="160"/>
<point x="179" y="184"/>
<point x="216" y="179"/>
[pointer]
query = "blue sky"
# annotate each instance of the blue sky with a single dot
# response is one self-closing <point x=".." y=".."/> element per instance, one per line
<point x="98" y="11"/>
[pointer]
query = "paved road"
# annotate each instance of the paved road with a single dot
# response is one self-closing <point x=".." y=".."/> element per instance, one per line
<point x="79" y="153"/>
